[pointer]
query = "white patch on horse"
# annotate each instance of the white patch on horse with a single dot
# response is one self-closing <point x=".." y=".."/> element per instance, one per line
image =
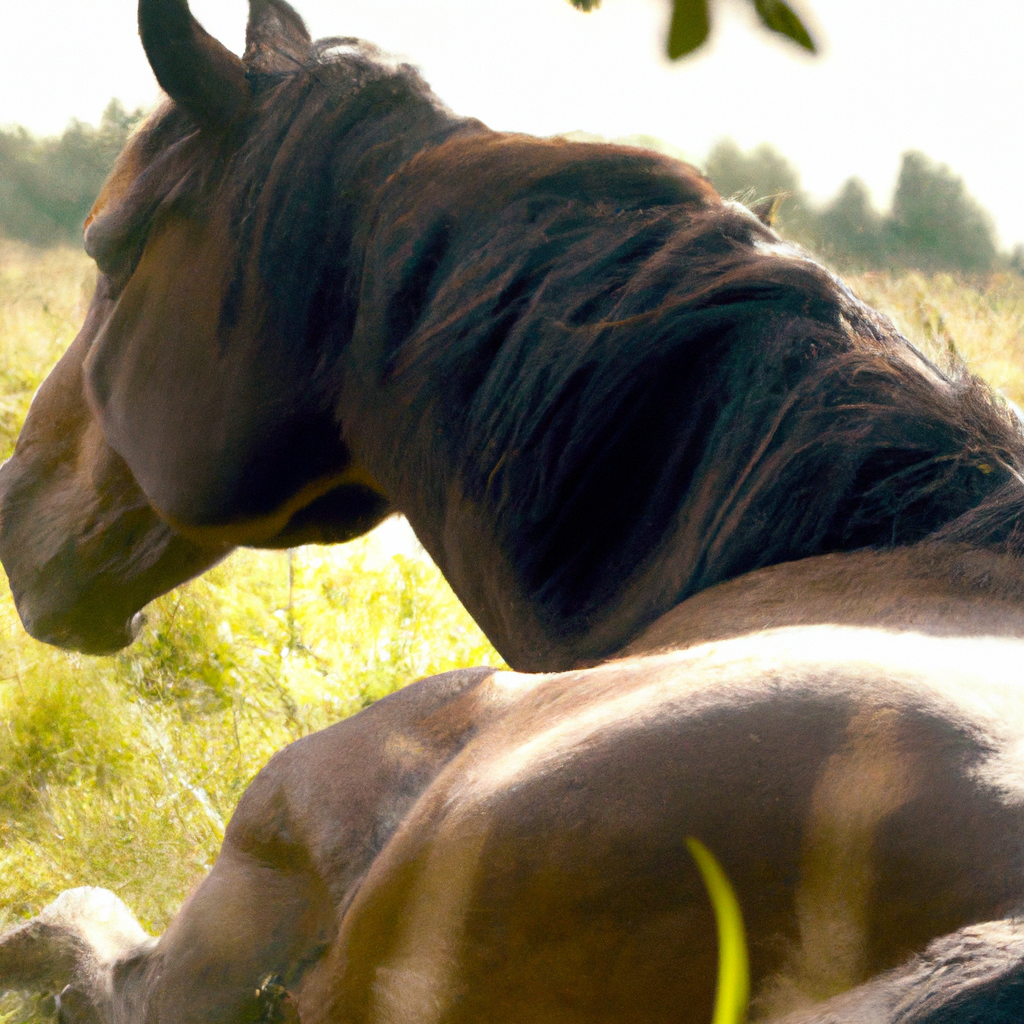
<point x="976" y="676"/>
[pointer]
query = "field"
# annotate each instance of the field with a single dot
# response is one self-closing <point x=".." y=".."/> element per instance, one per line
<point x="122" y="771"/>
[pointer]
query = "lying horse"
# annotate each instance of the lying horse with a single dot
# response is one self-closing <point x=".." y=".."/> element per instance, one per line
<point x="489" y="846"/>
<point x="626" y="420"/>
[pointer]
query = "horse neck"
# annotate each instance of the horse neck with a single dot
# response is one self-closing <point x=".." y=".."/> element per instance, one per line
<point x="691" y="456"/>
<point x="932" y="588"/>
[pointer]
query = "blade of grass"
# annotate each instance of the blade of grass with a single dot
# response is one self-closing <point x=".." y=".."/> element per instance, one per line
<point x="733" y="991"/>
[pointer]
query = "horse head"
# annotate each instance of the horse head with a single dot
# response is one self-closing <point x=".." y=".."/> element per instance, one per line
<point x="192" y="413"/>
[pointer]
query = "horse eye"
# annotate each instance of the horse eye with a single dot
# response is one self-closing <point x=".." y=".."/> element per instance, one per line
<point x="100" y="240"/>
<point x="115" y="250"/>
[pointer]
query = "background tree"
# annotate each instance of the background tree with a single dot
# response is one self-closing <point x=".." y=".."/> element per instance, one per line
<point x="759" y="175"/>
<point x="851" y="231"/>
<point x="935" y="223"/>
<point x="47" y="186"/>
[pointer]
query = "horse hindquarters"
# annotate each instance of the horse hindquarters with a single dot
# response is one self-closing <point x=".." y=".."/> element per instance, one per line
<point x="544" y="875"/>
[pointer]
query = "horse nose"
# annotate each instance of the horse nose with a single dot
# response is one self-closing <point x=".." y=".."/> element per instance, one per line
<point x="51" y="627"/>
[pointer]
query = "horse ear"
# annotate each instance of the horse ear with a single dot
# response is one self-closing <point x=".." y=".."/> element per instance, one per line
<point x="276" y="38"/>
<point x="766" y="210"/>
<point x="193" y="68"/>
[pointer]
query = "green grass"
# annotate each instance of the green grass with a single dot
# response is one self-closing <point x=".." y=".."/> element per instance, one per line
<point x="733" y="994"/>
<point x="981" y="320"/>
<point x="43" y="298"/>
<point x="122" y="771"/>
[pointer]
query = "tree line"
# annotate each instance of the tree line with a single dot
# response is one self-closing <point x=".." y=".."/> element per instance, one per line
<point x="933" y="223"/>
<point x="47" y="186"/>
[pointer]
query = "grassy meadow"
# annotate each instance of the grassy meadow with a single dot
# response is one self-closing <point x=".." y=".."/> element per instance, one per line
<point x="122" y="771"/>
<point x="981" y="321"/>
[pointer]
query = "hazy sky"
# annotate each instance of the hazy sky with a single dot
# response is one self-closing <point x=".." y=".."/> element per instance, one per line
<point x="942" y="77"/>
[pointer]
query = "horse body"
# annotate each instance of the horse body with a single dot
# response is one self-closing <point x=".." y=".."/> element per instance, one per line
<point x="558" y="847"/>
<point x="626" y="420"/>
<point x="499" y="846"/>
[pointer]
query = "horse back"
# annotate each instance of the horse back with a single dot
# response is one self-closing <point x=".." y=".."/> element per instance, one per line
<point x="543" y="875"/>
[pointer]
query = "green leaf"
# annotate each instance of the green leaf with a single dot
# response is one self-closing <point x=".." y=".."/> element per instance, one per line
<point x="689" y="27"/>
<point x="586" y="5"/>
<point x="781" y="18"/>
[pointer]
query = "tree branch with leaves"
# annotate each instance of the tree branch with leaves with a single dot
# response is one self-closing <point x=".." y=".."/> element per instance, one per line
<point x="691" y="23"/>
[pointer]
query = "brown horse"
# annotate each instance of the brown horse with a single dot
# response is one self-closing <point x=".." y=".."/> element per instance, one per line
<point x="625" y="420"/>
<point x="593" y="387"/>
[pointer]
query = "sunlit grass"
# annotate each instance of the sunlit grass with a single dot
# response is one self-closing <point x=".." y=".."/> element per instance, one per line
<point x="122" y="772"/>
<point x="43" y="298"/>
<point x="733" y="992"/>
<point x="981" y="320"/>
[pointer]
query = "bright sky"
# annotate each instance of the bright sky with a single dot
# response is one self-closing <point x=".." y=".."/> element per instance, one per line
<point x="943" y="77"/>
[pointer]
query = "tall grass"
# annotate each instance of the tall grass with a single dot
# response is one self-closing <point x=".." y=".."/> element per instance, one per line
<point x="122" y="771"/>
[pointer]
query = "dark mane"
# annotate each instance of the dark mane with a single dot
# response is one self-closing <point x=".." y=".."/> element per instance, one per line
<point x="722" y="401"/>
<point x="346" y="117"/>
